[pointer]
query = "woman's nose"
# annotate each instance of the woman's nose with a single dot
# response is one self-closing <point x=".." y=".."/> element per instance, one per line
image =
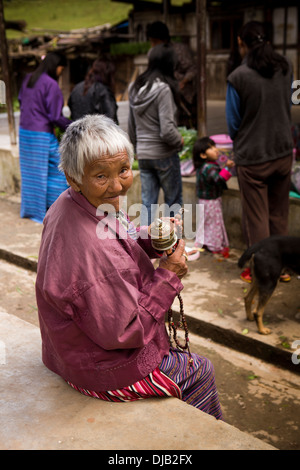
<point x="115" y="185"/>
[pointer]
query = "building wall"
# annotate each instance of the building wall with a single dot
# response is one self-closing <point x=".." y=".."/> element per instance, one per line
<point x="185" y="25"/>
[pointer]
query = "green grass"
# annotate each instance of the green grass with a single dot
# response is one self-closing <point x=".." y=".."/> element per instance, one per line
<point x="64" y="14"/>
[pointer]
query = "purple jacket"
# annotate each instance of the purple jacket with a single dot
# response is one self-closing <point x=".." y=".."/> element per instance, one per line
<point x="41" y="106"/>
<point x="101" y="303"/>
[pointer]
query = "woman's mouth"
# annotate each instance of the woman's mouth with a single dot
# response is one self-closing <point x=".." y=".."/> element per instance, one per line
<point x="112" y="198"/>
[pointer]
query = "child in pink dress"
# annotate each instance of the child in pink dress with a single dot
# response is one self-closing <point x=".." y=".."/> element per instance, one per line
<point x="210" y="184"/>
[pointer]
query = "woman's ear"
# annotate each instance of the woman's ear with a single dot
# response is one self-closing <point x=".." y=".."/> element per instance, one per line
<point x="72" y="183"/>
<point x="243" y="49"/>
<point x="203" y="156"/>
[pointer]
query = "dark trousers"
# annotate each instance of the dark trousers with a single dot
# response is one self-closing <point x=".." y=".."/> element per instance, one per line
<point x="265" y="198"/>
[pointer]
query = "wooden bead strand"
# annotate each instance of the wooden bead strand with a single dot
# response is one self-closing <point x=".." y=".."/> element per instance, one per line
<point x="164" y="238"/>
<point x="182" y="324"/>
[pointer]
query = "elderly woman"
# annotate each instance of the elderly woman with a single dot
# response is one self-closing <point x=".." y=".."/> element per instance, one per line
<point x="101" y="303"/>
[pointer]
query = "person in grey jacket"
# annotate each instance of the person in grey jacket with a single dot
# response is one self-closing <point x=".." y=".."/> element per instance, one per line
<point x="95" y="94"/>
<point x="152" y="129"/>
<point x="258" y="111"/>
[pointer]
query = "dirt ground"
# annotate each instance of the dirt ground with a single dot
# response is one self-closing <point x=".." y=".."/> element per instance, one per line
<point x="257" y="398"/>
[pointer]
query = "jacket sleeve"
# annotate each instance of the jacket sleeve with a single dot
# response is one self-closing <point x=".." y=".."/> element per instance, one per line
<point x="215" y="176"/>
<point x="115" y="314"/>
<point x="168" y="128"/>
<point x="54" y="103"/>
<point x="232" y="109"/>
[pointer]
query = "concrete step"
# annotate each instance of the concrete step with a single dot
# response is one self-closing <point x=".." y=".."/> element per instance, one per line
<point x="41" y="412"/>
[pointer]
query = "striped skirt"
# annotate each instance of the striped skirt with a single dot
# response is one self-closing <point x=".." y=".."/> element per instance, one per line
<point x="41" y="181"/>
<point x="174" y="377"/>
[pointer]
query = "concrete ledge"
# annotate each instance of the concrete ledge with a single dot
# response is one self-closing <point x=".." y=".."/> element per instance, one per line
<point x="9" y="169"/>
<point x="231" y="336"/>
<point x="41" y="412"/>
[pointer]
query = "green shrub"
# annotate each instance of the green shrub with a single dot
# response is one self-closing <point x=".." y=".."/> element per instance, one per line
<point x="189" y="137"/>
<point x="129" y="48"/>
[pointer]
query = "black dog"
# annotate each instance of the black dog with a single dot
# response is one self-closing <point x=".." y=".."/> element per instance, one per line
<point x="267" y="260"/>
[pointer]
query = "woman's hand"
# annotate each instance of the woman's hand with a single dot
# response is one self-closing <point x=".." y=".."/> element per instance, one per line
<point x="177" y="261"/>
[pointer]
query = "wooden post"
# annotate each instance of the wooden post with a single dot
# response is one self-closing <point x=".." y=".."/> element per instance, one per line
<point x="285" y="29"/>
<point x="5" y="70"/>
<point x="201" y="64"/>
<point x="166" y="9"/>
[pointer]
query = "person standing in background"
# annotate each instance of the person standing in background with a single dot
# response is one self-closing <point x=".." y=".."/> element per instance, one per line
<point x="41" y="103"/>
<point x="185" y="73"/>
<point x="258" y="113"/>
<point x="210" y="184"/>
<point x="95" y="95"/>
<point x="152" y="128"/>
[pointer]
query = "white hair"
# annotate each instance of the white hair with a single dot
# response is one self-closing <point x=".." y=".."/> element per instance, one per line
<point x="89" y="138"/>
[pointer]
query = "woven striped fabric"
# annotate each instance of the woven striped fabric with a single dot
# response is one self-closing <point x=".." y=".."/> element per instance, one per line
<point x="41" y="181"/>
<point x="175" y="377"/>
<point x="156" y="384"/>
<point x="196" y="380"/>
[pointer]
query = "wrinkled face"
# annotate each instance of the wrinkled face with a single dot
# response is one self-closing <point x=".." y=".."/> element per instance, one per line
<point x="106" y="180"/>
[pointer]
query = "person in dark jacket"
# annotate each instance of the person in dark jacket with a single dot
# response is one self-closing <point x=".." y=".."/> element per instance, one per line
<point x="95" y="95"/>
<point x="185" y="72"/>
<point x="258" y="114"/>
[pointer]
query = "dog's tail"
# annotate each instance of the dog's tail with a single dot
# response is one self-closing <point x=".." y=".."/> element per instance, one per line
<point x="247" y="255"/>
